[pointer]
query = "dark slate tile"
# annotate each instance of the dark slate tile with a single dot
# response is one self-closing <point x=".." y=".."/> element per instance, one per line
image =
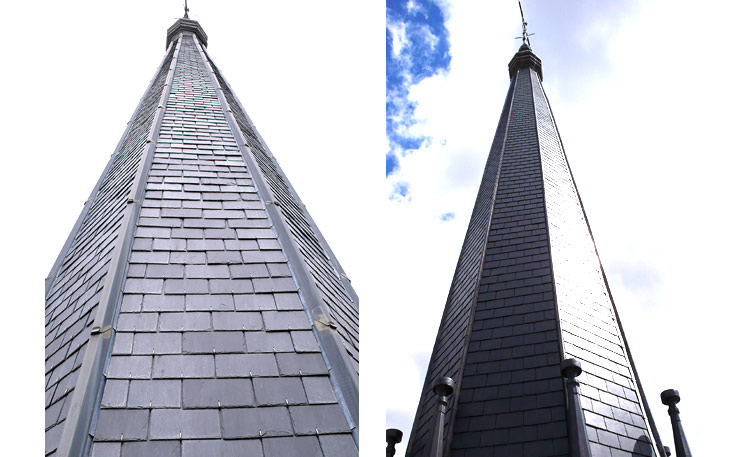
<point x="143" y="286"/>
<point x="279" y="269"/>
<point x="219" y="448"/>
<point x="112" y="423"/>
<point x="131" y="303"/>
<point x="207" y="271"/>
<point x="192" y="423"/>
<point x="279" y="391"/>
<point x="230" y="286"/>
<point x="135" y="366"/>
<point x="338" y="445"/>
<point x="183" y="366"/>
<point x="274" y="285"/>
<point x="286" y="320"/>
<point x="102" y="449"/>
<point x="213" y="342"/>
<point x="151" y="449"/>
<point x="137" y="322"/>
<point x="325" y="418"/>
<point x="165" y="271"/>
<point x="157" y="343"/>
<point x="319" y="389"/>
<point x="301" y="364"/>
<point x="288" y="301"/>
<point x="177" y="322"/>
<point x="163" y="303"/>
<point x="213" y="302"/>
<point x="249" y="270"/>
<point x="238" y="320"/>
<point x="168" y="244"/>
<point x="294" y="446"/>
<point x="223" y="257"/>
<point x="254" y="302"/>
<point x="242" y="365"/>
<point x="305" y="342"/>
<point x="114" y="393"/>
<point x="268" y="342"/>
<point x="256" y="422"/>
<point x="123" y="343"/>
<point x="208" y="393"/>
<point x="154" y="394"/>
<point x="186" y="286"/>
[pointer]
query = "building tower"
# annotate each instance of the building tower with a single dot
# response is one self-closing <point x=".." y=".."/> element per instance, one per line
<point x="196" y="309"/>
<point x="528" y="292"/>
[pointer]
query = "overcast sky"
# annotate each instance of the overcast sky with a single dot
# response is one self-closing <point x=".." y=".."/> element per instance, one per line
<point x="644" y="96"/>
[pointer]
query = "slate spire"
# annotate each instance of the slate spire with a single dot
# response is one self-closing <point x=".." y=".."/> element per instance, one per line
<point x="528" y="292"/>
<point x="195" y="308"/>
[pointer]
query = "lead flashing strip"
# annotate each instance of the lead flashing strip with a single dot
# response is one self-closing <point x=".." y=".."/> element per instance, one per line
<point x="83" y="407"/>
<point x="341" y="372"/>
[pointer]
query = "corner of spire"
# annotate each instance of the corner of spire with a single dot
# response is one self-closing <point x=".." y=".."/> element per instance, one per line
<point x="186" y="25"/>
<point x="525" y="57"/>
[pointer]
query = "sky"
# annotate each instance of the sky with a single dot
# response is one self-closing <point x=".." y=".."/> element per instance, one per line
<point x="309" y="74"/>
<point x="644" y="95"/>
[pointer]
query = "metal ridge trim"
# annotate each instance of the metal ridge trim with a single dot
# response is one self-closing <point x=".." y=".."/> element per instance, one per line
<point x="341" y="371"/>
<point x="75" y="437"/>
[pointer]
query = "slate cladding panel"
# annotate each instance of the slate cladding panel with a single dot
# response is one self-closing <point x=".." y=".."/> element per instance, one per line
<point x="541" y="292"/>
<point x="213" y="352"/>
<point x="590" y="332"/>
<point x="449" y="348"/>
<point x="341" y="309"/>
<point x="72" y="301"/>
<point x="512" y="399"/>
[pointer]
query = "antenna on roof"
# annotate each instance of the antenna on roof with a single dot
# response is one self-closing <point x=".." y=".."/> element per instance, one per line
<point x="525" y="35"/>
<point x="188" y="9"/>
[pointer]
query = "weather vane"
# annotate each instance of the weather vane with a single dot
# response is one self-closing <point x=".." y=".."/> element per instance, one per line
<point x="525" y="35"/>
<point x="188" y="9"/>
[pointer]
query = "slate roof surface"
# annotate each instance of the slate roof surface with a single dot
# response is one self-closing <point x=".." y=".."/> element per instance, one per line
<point x="214" y="352"/>
<point x="532" y="294"/>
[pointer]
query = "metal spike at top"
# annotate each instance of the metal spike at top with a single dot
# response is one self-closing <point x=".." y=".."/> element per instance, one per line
<point x="525" y="35"/>
<point x="188" y="9"/>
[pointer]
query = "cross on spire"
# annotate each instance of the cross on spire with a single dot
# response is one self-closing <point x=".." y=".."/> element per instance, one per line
<point x="525" y="35"/>
<point x="188" y="9"/>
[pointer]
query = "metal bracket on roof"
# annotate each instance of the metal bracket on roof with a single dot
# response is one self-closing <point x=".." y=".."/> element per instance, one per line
<point x="99" y="331"/>
<point x="89" y="200"/>
<point x="132" y="201"/>
<point x="330" y="324"/>
<point x="342" y="275"/>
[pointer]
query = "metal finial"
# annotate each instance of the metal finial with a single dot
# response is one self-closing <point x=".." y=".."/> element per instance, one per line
<point x="188" y="9"/>
<point x="525" y="35"/>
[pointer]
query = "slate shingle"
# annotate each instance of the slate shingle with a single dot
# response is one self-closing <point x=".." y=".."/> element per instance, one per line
<point x="325" y="418"/>
<point x="194" y="423"/>
<point x="207" y="393"/>
<point x="218" y="448"/>
<point x="249" y="422"/>
<point x="114" y="423"/>
<point x="242" y="365"/>
<point x="154" y="393"/>
<point x="338" y="445"/>
<point x="294" y="446"/>
<point x="292" y="364"/>
<point x="183" y="366"/>
<point x="279" y="391"/>
<point x="151" y="449"/>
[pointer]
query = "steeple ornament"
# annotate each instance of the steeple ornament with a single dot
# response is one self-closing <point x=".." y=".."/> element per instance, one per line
<point x="525" y="35"/>
<point x="188" y="9"/>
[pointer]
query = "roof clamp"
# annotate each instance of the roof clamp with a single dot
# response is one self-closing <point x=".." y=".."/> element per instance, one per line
<point x="132" y="201"/>
<point x="98" y="330"/>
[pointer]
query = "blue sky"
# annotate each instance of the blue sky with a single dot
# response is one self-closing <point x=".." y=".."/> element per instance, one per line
<point x="417" y="47"/>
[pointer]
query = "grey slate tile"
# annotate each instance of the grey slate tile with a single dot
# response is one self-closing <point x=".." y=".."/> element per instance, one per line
<point x="134" y="366"/>
<point x="219" y="448"/>
<point x="183" y="366"/>
<point x="286" y="320"/>
<point x="294" y="446"/>
<point x="274" y="285"/>
<point x="184" y="321"/>
<point x="103" y="449"/>
<point x="230" y="286"/>
<point x="241" y="365"/>
<point x="131" y="423"/>
<point x="193" y="423"/>
<point x="268" y="342"/>
<point x="254" y="302"/>
<point x="165" y="271"/>
<point x="123" y="343"/>
<point x="207" y="271"/>
<point x="154" y="393"/>
<point x="305" y="341"/>
<point x="223" y="302"/>
<point x="213" y="342"/>
<point x="338" y="445"/>
<point x="248" y="422"/>
<point x="163" y="303"/>
<point x="207" y="393"/>
<point x="157" y="343"/>
<point x="186" y="286"/>
<point x="137" y="322"/>
<point x="238" y="320"/>
<point x="325" y="418"/>
<point x="319" y="389"/>
<point x="115" y="393"/>
<point x="131" y="303"/>
<point x="301" y="364"/>
<point x="279" y="391"/>
<point x="249" y="270"/>
<point x="143" y="286"/>
<point x="288" y="301"/>
<point x="151" y="449"/>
